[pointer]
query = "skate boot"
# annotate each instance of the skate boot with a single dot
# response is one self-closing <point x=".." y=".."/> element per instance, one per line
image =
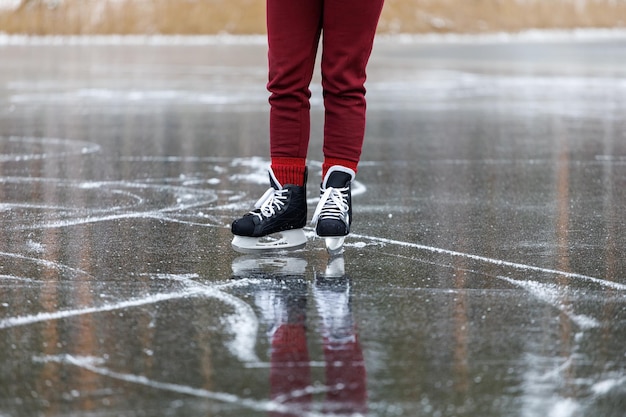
<point x="276" y="221"/>
<point x="333" y="215"/>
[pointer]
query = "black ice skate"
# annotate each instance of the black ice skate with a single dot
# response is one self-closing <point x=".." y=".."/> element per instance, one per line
<point x="276" y="221"/>
<point x="333" y="215"/>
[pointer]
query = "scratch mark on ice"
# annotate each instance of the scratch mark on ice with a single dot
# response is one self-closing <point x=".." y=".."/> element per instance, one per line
<point x="95" y="365"/>
<point x="493" y="261"/>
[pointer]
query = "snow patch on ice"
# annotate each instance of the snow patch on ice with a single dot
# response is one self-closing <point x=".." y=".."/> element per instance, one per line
<point x="564" y="407"/>
<point x="36" y="247"/>
<point x="358" y="188"/>
<point x="604" y="387"/>
<point x="257" y="170"/>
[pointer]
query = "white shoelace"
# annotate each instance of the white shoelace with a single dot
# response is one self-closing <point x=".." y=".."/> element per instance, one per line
<point x="333" y="204"/>
<point x="271" y="202"/>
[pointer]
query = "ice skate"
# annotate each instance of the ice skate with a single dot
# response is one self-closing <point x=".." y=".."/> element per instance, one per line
<point x="276" y="221"/>
<point x="333" y="215"/>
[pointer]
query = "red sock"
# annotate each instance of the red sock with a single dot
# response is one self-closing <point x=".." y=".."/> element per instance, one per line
<point x="289" y="170"/>
<point x="329" y="162"/>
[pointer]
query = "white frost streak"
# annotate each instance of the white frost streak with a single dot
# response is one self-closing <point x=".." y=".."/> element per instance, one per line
<point x="94" y="365"/>
<point x="62" y="314"/>
<point x="45" y="263"/>
<point x="553" y="295"/>
<point x="494" y="261"/>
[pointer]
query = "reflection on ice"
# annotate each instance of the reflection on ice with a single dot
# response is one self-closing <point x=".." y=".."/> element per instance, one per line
<point x="281" y="293"/>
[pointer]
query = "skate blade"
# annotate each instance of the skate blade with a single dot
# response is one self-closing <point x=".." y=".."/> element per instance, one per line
<point x="334" y="245"/>
<point x="287" y="240"/>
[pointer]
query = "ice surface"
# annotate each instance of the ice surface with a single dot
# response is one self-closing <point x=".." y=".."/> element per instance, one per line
<point x="485" y="275"/>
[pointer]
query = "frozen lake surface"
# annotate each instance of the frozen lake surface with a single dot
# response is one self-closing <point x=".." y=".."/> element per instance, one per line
<point x="486" y="275"/>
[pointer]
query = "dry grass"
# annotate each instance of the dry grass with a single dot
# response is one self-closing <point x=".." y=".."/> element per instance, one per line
<point x="136" y="17"/>
<point x="247" y="16"/>
<point x="415" y="16"/>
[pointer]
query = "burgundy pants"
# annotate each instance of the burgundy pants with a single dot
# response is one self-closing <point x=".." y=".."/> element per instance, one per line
<point x="294" y="28"/>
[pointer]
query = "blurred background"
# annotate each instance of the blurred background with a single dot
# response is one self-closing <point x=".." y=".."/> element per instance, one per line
<point x="72" y="17"/>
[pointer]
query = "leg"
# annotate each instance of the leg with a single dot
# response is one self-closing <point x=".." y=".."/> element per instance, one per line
<point x="276" y="222"/>
<point x="349" y="29"/>
<point x="293" y="28"/>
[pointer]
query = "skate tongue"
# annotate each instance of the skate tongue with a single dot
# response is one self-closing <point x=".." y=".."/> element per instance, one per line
<point x="338" y="180"/>
<point x="274" y="181"/>
<point x="338" y="177"/>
